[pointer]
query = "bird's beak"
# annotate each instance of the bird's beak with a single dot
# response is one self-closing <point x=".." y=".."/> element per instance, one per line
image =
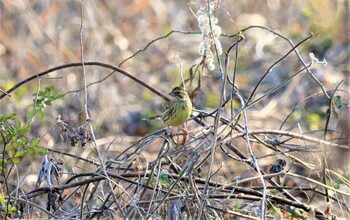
<point x="172" y="93"/>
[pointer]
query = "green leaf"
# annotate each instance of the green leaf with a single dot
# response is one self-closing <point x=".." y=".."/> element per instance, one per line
<point x="3" y="164"/>
<point x="30" y="115"/>
<point x="41" y="114"/>
<point x="16" y="160"/>
<point x="164" y="179"/>
<point x="2" y="198"/>
<point x="273" y="211"/>
<point x="25" y="128"/>
<point x="42" y="99"/>
<point x="34" y="142"/>
<point x="9" y="209"/>
<point x="31" y="151"/>
<point x="337" y="101"/>
<point x="3" y="168"/>
<point x="20" y="154"/>
<point x="22" y="140"/>
<point x="11" y="153"/>
<point x="48" y="102"/>
<point x="13" y="209"/>
<point x="40" y="149"/>
<point x="11" y="130"/>
<point x="15" y="144"/>
<point x="5" y="118"/>
<point x="18" y="125"/>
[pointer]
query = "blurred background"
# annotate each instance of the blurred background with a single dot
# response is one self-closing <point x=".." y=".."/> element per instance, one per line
<point x="37" y="35"/>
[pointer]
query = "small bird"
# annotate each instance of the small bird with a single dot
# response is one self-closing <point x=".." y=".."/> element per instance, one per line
<point x="179" y="109"/>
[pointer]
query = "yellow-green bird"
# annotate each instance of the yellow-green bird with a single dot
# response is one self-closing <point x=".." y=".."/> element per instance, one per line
<point x="179" y="109"/>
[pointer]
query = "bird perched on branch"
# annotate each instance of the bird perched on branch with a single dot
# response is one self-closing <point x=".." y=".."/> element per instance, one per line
<point x="178" y="110"/>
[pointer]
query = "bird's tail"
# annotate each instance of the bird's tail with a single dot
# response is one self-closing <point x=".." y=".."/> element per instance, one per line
<point x="152" y="118"/>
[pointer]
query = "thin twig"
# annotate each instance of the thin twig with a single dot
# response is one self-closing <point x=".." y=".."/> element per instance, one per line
<point x="274" y="64"/>
<point x="296" y="51"/>
<point x="291" y="134"/>
<point x="324" y="159"/>
<point x="217" y="118"/>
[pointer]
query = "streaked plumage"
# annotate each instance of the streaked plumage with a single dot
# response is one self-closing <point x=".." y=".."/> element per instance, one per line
<point x="179" y="109"/>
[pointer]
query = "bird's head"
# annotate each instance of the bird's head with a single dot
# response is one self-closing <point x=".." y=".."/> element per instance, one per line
<point x="179" y="93"/>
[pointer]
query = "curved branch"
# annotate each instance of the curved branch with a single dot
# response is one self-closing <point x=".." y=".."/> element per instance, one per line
<point x="68" y="65"/>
